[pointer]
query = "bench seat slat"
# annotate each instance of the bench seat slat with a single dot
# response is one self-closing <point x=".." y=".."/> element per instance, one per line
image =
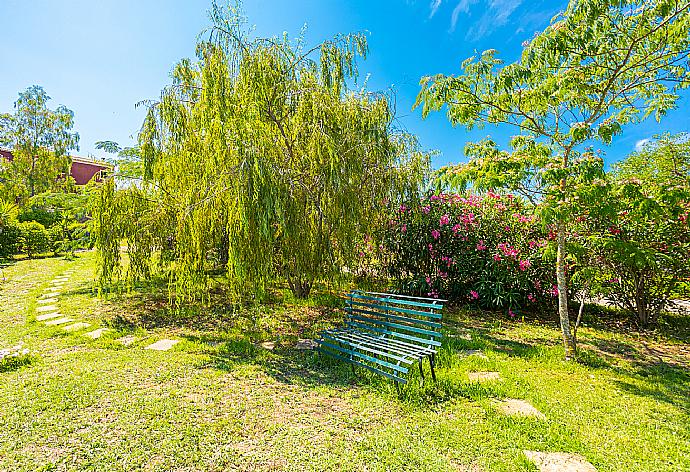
<point x="407" y="350"/>
<point x="388" y="324"/>
<point x="430" y="342"/>
<point x="397" y="342"/>
<point x="404" y="319"/>
<point x="366" y="366"/>
<point x="407" y="311"/>
<point x="412" y="301"/>
<point x="366" y="357"/>
<point x="366" y="346"/>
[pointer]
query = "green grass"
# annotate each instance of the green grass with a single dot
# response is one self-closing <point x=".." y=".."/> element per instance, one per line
<point x="218" y="401"/>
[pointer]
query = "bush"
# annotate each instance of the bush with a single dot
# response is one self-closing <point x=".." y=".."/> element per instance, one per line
<point x="34" y="238"/>
<point x="47" y="217"/>
<point x="489" y="250"/>
<point x="10" y="235"/>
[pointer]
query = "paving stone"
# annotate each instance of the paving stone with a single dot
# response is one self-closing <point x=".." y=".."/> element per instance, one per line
<point x="306" y="344"/>
<point x="270" y="345"/>
<point x="475" y="352"/>
<point x="49" y="295"/>
<point x="48" y="316"/>
<point x="163" y="344"/>
<point x="59" y="321"/>
<point x="126" y="340"/>
<point x="47" y="300"/>
<point x="466" y="337"/>
<point x="47" y="308"/>
<point x="97" y="333"/>
<point x="76" y="326"/>
<point x="559" y="462"/>
<point x="513" y="407"/>
<point x="483" y="376"/>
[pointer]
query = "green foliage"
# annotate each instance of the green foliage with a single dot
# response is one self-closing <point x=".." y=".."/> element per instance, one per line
<point x="9" y="229"/>
<point x="598" y="66"/>
<point x="639" y="236"/>
<point x="39" y="139"/>
<point x="258" y="162"/>
<point x="34" y="238"/>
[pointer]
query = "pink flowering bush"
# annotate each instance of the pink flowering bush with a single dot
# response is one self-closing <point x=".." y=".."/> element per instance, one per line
<point x="483" y="249"/>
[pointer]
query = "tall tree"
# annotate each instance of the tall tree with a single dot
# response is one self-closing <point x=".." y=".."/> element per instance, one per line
<point x="600" y="65"/>
<point x="39" y="139"/>
<point x="266" y="162"/>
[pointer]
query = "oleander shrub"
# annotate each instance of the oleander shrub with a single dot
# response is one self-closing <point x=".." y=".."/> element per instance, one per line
<point x="486" y="249"/>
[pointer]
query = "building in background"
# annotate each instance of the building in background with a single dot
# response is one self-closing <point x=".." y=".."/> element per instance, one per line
<point x="82" y="170"/>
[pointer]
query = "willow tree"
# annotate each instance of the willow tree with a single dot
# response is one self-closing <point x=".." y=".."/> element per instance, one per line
<point x="599" y="66"/>
<point x="266" y="162"/>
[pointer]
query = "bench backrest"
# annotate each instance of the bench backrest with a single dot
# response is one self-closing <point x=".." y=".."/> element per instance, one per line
<point x="412" y="320"/>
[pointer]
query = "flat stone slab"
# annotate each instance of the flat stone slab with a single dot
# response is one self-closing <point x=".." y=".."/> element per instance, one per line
<point x="47" y="308"/>
<point x="306" y="344"/>
<point x="59" y="321"/>
<point x="513" y="407"/>
<point x="270" y="345"/>
<point x="126" y="340"/>
<point x="47" y="300"/>
<point x="48" y="316"/>
<point x="483" y="376"/>
<point x="76" y="326"/>
<point x="97" y="333"/>
<point x="559" y="462"/>
<point x="475" y="352"/>
<point x="49" y="295"/>
<point x="163" y="344"/>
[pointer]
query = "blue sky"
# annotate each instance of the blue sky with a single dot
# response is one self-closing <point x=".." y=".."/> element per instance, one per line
<point x="100" y="58"/>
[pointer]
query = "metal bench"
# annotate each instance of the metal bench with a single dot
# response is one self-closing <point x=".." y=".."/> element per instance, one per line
<point x="386" y="333"/>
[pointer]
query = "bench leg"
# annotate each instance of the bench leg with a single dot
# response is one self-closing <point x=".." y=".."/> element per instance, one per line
<point x="431" y="363"/>
<point x="397" y="387"/>
<point x="421" y="371"/>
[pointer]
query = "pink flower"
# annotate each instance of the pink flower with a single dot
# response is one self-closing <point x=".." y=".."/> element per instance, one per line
<point x="510" y="312"/>
<point x="497" y="258"/>
<point x="403" y="208"/>
<point x="434" y="198"/>
<point x="474" y="295"/>
<point x="554" y="291"/>
<point x="481" y="246"/>
<point x="436" y="234"/>
<point x="443" y="275"/>
<point x="433" y="294"/>
<point x="507" y="229"/>
<point x="403" y="228"/>
<point x="524" y="265"/>
<point x="445" y="219"/>
<point x="428" y="280"/>
<point x="456" y="229"/>
<point x="531" y="298"/>
<point x="426" y="209"/>
<point x="532" y="244"/>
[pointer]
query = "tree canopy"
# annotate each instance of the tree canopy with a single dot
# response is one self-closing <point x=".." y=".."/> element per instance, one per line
<point x="260" y="159"/>
<point x="600" y="65"/>
<point x="39" y="139"/>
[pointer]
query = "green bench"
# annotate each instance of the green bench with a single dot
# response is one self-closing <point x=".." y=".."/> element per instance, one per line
<point x="386" y="333"/>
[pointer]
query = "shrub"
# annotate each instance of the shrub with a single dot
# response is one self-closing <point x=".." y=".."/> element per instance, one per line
<point x="34" y="238"/>
<point x="9" y="229"/>
<point x="489" y="250"/>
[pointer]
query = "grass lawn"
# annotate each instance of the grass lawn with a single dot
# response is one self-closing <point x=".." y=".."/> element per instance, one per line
<point x="220" y="401"/>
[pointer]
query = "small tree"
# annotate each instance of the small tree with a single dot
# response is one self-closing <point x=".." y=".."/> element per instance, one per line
<point x="39" y="139"/>
<point x="600" y="65"/>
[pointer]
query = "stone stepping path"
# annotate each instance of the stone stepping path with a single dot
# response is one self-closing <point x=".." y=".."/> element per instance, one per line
<point x="483" y="376"/>
<point x="162" y="345"/>
<point x="47" y="300"/>
<point x="559" y="462"/>
<point x="59" y="321"/>
<point x="514" y="407"/>
<point x="270" y="345"/>
<point x="46" y="308"/>
<point x="306" y="344"/>
<point x="126" y="340"/>
<point x="97" y="333"/>
<point x="76" y="326"/>
<point x="49" y="295"/>
<point x="48" y="316"/>
<point x="475" y="352"/>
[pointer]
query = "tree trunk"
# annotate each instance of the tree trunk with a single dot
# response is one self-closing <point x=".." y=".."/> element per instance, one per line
<point x="300" y="288"/>
<point x="568" y="339"/>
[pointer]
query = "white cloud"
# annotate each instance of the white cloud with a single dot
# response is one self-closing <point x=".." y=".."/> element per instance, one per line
<point x="463" y="6"/>
<point x="434" y="7"/>
<point x="639" y="145"/>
